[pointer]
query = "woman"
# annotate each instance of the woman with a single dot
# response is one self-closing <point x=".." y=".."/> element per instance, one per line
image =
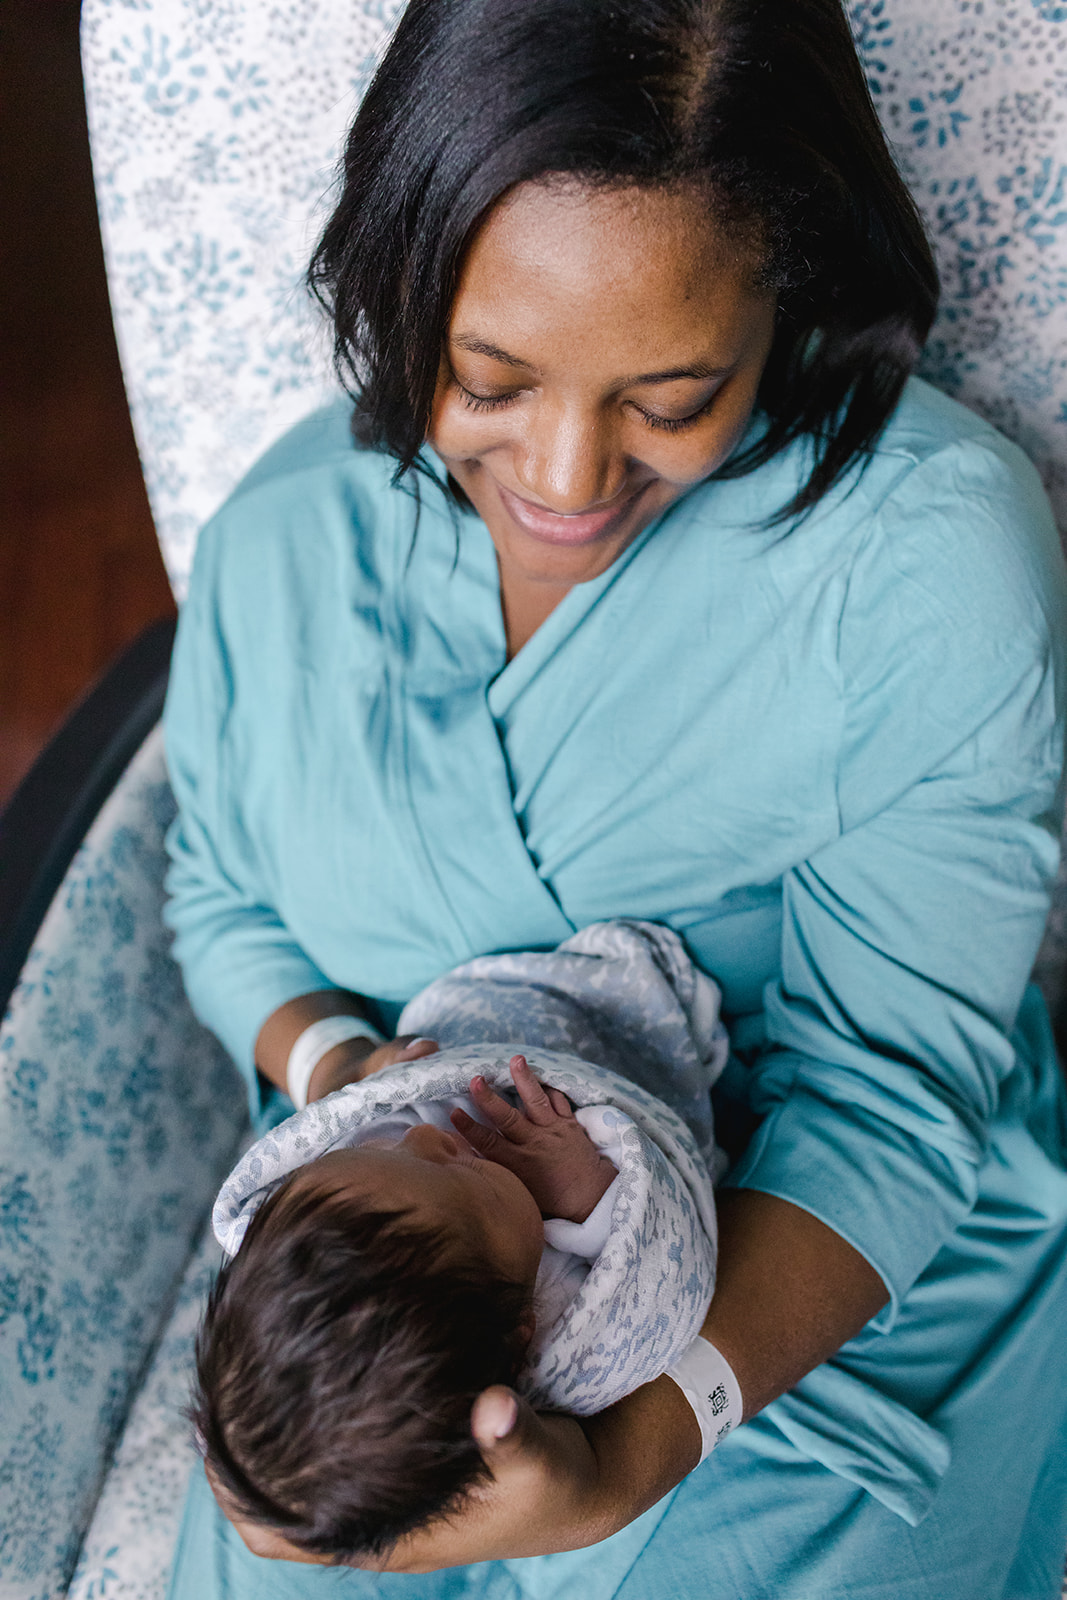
<point x="659" y="589"/>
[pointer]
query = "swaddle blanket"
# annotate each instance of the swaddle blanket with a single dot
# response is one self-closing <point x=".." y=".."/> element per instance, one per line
<point x="626" y="996"/>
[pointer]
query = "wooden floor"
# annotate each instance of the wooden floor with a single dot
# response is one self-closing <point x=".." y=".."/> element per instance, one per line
<point x="80" y="571"/>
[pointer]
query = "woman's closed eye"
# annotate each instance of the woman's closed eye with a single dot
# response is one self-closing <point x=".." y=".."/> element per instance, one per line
<point x="486" y="402"/>
<point x="652" y="419"/>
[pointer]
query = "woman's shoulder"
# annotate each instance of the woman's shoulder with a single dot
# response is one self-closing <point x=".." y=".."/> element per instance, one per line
<point x="927" y="421"/>
<point x="955" y="527"/>
<point x="316" y="465"/>
<point x="314" y="504"/>
<point x="953" y="628"/>
<point x="321" y="440"/>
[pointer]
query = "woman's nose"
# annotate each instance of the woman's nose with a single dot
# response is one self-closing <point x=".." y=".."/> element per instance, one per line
<point x="431" y="1143"/>
<point x="570" y="463"/>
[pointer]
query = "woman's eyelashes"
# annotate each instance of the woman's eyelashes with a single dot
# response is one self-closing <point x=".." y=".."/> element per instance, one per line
<point x="676" y="424"/>
<point x="497" y="402"/>
<point x="485" y="402"/>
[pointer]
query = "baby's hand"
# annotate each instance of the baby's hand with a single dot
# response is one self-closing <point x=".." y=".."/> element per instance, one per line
<point x="544" y="1144"/>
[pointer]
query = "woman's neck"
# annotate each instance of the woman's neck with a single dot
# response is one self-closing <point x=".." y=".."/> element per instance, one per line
<point x="525" y="603"/>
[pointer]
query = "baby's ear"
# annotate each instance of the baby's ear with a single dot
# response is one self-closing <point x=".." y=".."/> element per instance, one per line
<point x="527" y="1327"/>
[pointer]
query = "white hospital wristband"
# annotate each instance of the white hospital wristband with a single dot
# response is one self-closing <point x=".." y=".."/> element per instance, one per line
<point x="707" y="1380"/>
<point x="316" y="1042"/>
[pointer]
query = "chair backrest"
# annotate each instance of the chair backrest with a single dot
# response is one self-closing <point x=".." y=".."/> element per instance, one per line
<point x="119" y="1117"/>
<point x="215" y="131"/>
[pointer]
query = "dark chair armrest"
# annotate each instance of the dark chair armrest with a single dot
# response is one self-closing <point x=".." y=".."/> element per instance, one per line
<point x="54" y="806"/>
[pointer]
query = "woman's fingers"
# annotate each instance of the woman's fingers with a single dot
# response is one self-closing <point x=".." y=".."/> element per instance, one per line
<point x="412" y="1048"/>
<point x="539" y="1108"/>
<point x="362" y="1064"/>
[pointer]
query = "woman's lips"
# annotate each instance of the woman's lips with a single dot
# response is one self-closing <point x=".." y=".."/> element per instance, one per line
<point x="552" y="528"/>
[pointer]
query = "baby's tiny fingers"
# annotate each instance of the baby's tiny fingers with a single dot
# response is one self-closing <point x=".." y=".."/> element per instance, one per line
<point x="477" y="1135"/>
<point x="531" y="1092"/>
<point x="560" y="1104"/>
<point x="506" y="1119"/>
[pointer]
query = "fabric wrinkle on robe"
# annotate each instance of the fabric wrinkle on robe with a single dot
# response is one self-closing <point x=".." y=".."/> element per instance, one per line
<point x="829" y="759"/>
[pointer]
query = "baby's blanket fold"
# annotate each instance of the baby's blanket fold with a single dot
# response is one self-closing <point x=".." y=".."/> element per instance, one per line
<point x="622" y="994"/>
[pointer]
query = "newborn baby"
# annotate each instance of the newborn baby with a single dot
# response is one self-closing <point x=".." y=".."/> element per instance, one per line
<point x="402" y="1245"/>
<point x="376" y="1293"/>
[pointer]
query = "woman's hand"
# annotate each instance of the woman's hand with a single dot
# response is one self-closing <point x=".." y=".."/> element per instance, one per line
<point x="549" y="1491"/>
<point x="559" y="1484"/>
<point x="545" y="1495"/>
<point x="357" y="1059"/>
<point x="345" y="1063"/>
<point x="790" y="1292"/>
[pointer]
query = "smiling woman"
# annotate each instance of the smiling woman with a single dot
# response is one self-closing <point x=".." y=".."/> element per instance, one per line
<point x="704" y="611"/>
<point x="603" y="356"/>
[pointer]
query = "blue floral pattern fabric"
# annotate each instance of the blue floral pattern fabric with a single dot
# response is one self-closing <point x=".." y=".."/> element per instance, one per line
<point x="128" y="1548"/>
<point x="216" y="130"/>
<point x="118" y="1119"/>
<point x="973" y="97"/>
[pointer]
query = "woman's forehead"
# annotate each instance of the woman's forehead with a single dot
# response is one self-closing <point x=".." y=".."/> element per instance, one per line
<point x="648" y="275"/>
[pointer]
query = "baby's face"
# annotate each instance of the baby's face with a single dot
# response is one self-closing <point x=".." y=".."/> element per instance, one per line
<point x="438" y="1181"/>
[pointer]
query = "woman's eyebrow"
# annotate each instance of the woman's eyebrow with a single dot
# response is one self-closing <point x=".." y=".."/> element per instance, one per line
<point x="482" y="347"/>
<point x="695" y="369"/>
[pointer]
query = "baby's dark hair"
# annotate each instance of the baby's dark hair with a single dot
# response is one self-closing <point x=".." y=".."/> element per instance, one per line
<point x="337" y="1363"/>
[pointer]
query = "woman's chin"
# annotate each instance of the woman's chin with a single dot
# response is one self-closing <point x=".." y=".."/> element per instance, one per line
<point x="564" y="549"/>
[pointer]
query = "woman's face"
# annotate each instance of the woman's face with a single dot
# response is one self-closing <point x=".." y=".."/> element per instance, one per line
<point x="603" y="356"/>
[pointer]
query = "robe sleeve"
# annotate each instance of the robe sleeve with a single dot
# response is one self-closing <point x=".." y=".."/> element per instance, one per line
<point x="238" y="959"/>
<point x="907" y="941"/>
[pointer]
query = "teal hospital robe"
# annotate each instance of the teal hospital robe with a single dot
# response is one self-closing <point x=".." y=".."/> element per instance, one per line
<point x="829" y="757"/>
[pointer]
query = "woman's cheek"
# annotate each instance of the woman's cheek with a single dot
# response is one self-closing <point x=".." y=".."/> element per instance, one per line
<point x="685" y="460"/>
<point x="456" y="430"/>
<point x="688" y="458"/>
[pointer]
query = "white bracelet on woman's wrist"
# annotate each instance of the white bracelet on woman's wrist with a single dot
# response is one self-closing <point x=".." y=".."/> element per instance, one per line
<point x="707" y="1380"/>
<point x="315" y="1042"/>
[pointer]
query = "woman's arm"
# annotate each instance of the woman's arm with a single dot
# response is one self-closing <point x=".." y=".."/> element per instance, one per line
<point x="240" y="962"/>
<point x="790" y="1293"/>
<point x="345" y="1063"/>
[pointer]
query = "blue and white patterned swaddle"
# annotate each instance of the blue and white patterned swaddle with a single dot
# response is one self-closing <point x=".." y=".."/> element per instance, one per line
<point x="617" y="1016"/>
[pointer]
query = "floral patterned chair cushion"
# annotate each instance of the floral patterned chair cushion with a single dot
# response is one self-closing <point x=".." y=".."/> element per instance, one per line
<point x="215" y="128"/>
<point x="117" y="1123"/>
<point x="128" y="1549"/>
<point x="973" y="96"/>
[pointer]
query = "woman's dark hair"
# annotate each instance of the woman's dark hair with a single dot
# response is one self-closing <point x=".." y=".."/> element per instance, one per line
<point x="760" y="103"/>
<point x="337" y="1365"/>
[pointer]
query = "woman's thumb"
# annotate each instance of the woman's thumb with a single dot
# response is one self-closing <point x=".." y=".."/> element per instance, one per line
<point x="411" y="1048"/>
<point x="494" y="1419"/>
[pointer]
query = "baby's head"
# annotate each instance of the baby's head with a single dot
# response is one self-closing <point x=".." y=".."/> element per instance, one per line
<point x="376" y="1293"/>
